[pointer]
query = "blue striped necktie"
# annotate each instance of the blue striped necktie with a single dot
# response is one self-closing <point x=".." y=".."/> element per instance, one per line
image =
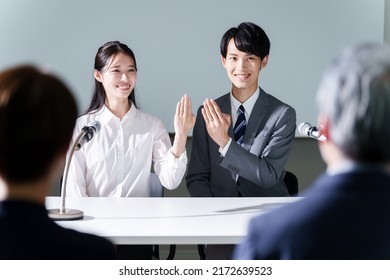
<point x="240" y="126"/>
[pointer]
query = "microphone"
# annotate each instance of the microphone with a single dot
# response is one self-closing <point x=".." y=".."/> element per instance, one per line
<point x="90" y="130"/>
<point x="86" y="134"/>
<point x="307" y="129"/>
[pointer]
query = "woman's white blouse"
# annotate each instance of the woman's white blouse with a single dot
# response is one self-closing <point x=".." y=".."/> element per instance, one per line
<point x="117" y="161"/>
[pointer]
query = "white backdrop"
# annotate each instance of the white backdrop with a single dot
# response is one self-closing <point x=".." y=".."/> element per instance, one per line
<point x="176" y="43"/>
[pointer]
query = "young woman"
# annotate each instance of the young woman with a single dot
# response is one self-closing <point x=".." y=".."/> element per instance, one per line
<point x="118" y="161"/>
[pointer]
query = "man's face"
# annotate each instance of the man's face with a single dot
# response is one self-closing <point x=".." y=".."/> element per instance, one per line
<point x="243" y="69"/>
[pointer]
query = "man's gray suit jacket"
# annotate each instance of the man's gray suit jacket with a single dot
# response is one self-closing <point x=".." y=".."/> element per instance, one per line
<point x="258" y="164"/>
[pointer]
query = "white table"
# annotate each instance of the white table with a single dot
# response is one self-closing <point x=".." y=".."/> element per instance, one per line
<point x="167" y="220"/>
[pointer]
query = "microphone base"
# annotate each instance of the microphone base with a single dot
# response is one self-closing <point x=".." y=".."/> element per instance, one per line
<point x="65" y="214"/>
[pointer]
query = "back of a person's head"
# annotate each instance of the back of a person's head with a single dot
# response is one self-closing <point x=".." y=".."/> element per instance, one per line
<point x="37" y="117"/>
<point x="355" y="96"/>
<point x="248" y="38"/>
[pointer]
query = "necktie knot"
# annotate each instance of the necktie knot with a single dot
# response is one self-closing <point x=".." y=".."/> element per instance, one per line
<point x="241" y="109"/>
<point x="240" y="126"/>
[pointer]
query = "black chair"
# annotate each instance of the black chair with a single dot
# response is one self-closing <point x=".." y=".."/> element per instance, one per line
<point x="201" y="252"/>
<point x="157" y="190"/>
<point x="291" y="181"/>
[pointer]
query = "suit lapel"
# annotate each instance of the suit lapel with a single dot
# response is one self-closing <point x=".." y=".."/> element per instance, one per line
<point x="259" y="112"/>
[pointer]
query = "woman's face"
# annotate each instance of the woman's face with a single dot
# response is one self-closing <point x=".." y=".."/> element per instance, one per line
<point x="119" y="77"/>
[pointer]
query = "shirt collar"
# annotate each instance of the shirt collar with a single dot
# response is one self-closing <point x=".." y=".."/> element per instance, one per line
<point x="104" y="115"/>
<point x="350" y="166"/>
<point x="248" y="104"/>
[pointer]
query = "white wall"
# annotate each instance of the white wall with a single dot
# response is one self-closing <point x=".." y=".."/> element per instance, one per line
<point x="387" y="22"/>
<point x="176" y="43"/>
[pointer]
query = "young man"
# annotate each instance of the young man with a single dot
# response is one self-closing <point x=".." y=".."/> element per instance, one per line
<point x="345" y="214"/>
<point x="37" y="117"/>
<point x="241" y="141"/>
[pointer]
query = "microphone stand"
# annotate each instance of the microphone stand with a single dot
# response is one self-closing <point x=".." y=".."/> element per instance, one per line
<point x="63" y="213"/>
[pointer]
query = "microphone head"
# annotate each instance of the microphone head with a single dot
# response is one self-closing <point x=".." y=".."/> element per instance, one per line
<point x="95" y="125"/>
<point x="89" y="131"/>
<point x="303" y="128"/>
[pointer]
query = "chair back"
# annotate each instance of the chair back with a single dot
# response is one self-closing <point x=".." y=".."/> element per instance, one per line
<point x="291" y="181"/>
<point x="156" y="188"/>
